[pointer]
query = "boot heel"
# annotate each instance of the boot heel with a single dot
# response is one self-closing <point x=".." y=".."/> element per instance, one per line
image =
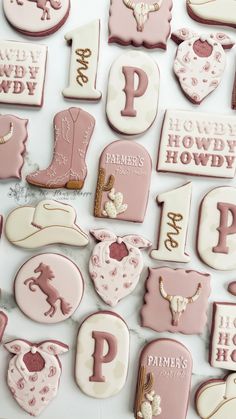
<point x="75" y="184"/>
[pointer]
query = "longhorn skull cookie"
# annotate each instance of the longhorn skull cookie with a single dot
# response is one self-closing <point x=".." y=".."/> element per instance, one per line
<point x="116" y="264"/>
<point x="36" y="17"/>
<point x="140" y="22"/>
<point x="48" y="288"/>
<point x="34" y="373"/>
<point x="200" y="62"/>
<point x="176" y="301"/>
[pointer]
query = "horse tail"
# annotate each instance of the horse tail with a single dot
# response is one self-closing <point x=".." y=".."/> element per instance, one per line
<point x="65" y="307"/>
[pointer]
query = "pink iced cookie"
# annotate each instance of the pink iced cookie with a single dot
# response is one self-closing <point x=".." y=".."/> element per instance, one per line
<point x="36" y="17"/>
<point x="116" y="264"/>
<point x="48" y="288"/>
<point x="176" y="301"/>
<point x="123" y="180"/>
<point x="164" y="381"/>
<point x="13" y="136"/>
<point x="140" y="23"/>
<point x="216" y="398"/>
<point x="34" y="373"/>
<point x="3" y="324"/>
<point x="200" y="62"/>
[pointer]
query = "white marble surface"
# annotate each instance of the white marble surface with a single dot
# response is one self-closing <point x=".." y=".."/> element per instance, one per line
<point x="70" y="401"/>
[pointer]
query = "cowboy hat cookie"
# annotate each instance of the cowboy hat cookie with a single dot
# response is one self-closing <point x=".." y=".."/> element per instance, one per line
<point x="23" y="76"/>
<point x="176" y="301"/>
<point x="49" y="222"/>
<point x="198" y="143"/>
<point x="216" y="399"/>
<point x="140" y="23"/>
<point x="13" y="136"/>
<point x="37" y="17"/>
<point x="48" y="288"/>
<point x="73" y="129"/>
<point x="102" y="355"/>
<point x="173" y="228"/>
<point x="116" y="264"/>
<point x="3" y="324"/>
<point x="133" y="92"/>
<point x="124" y="177"/>
<point x="85" y="42"/>
<point x="34" y="373"/>
<point x="217" y="229"/>
<point x="164" y="380"/>
<point x="213" y="12"/>
<point x="200" y="62"/>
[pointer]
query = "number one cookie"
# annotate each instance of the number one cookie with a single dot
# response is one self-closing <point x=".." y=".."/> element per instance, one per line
<point x="84" y="61"/>
<point x="174" y="224"/>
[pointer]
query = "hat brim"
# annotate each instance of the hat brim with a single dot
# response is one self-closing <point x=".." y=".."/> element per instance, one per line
<point x="21" y="232"/>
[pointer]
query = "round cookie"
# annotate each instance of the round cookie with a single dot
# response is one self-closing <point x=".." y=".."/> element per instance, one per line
<point x="38" y="17"/>
<point x="48" y="288"/>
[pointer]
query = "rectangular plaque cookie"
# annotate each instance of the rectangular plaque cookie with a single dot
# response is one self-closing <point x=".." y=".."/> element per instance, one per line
<point x="198" y="144"/>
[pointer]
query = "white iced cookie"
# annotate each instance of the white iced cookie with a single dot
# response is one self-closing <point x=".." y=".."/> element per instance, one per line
<point x="84" y="42"/>
<point x="133" y="91"/>
<point x="213" y="12"/>
<point x="102" y="355"/>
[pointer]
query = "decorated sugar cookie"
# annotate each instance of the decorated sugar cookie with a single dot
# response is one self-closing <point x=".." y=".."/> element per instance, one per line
<point x="198" y="143"/>
<point x="13" y="136"/>
<point x="36" y="17"/>
<point x="133" y="92"/>
<point x="214" y="12"/>
<point x="140" y="23"/>
<point x="49" y="222"/>
<point x="48" y="288"/>
<point x="217" y="229"/>
<point x="165" y="370"/>
<point x="115" y="264"/>
<point x="34" y="373"/>
<point x="176" y="300"/>
<point x="23" y="76"/>
<point x="85" y="42"/>
<point x="216" y="398"/>
<point x="102" y="355"/>
<point x="3" y="324"/>
<point x="174" y="224"/>
<point x="200" y="62"/>
<point x="73" y="130"/>
<point x="123" y="180"/>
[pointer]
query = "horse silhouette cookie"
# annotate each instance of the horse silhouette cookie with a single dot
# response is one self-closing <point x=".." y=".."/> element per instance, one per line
<point x="48" y="288"/>
<point x="36" y="17"/>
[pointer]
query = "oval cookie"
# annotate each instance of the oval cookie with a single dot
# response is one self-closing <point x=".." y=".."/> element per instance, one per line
<point x="102" y="355"/>
<point x="48" y="288"/>
<point x="37" y="17"/>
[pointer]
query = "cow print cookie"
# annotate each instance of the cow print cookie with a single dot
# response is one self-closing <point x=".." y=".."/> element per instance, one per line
<point x="216" y="398"/>
<point x="214" y="12"/>
<point x="116" y="264"/>
<point x="102" y="355"/>
<point x="124" y="177"/>
<point x="200" y="62"/>
<point x="23" y="69"/>
<point x="176" y="301"/>
<point x="13" y="137"/>
<point x="37" y="17"/>
<point x="133" y="92"/>
<point x="164" y="380"/>
<point x="140" y="23"/>
<point x="34" y="373"/>
<point x="48" y="288"/>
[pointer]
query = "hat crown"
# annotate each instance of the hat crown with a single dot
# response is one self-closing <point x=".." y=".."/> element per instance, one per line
<point x="52" y="213"/>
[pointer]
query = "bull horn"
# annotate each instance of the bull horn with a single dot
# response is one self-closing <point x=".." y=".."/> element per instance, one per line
<point x="162" y="291"/>
<point x="7" y="136"/>
<point x="155" y="6"/>
<point x="196" y="295"/>
<point x="129" y="4"/>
